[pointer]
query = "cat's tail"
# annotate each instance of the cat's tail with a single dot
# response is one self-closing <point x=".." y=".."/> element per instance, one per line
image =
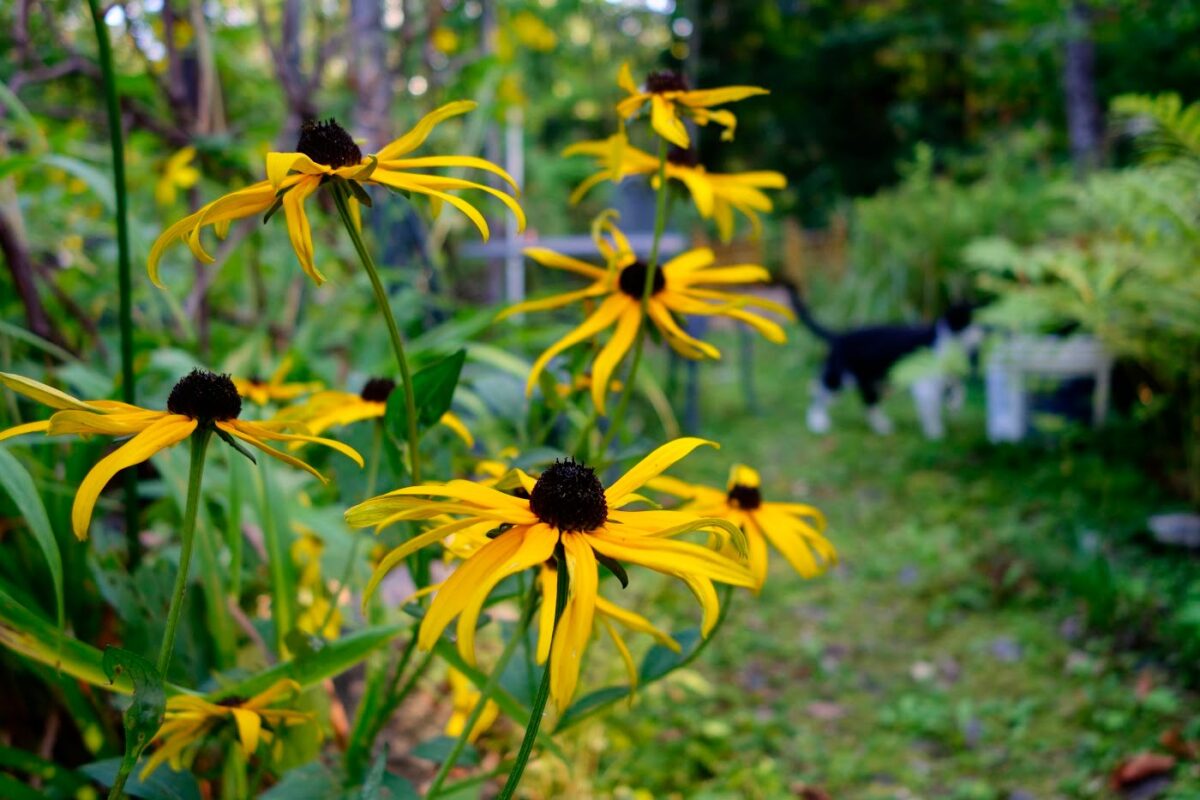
<point x="805" y="315"/>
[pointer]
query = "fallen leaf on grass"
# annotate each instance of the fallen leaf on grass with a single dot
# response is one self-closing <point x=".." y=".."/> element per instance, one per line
<point x="1139" y="768"/>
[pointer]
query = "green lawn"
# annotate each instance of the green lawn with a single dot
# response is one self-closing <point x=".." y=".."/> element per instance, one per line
<point x="987" y="635"/>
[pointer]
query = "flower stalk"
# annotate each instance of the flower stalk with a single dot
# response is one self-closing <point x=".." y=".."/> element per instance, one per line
<point x="342" y="200"/>
<point x="493" y="681"/>
<point x="195" y="473"/>
<point x="539" y="702"/>
<point x="124" y="283"/>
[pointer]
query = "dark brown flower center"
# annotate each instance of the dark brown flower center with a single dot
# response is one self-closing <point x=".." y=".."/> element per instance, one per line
<point x="377" y="390"/>
<point x="205" y="397"/>
<point x="568" y="497"/>
<point x="744" y="497"/>
<point x="665" y="81"/>
<point x="326" y="142"/>
<point x="632" y="280"/>
<point x="683" y="157"/>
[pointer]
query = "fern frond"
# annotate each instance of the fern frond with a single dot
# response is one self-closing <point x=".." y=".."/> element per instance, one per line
<point x="1162" y="126"/>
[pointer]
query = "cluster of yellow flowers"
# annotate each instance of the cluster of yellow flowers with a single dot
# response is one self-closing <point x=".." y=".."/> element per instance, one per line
<point x="564" y="523"/>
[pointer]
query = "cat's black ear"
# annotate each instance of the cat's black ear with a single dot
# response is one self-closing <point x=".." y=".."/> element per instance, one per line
<point x="958" y="316"/>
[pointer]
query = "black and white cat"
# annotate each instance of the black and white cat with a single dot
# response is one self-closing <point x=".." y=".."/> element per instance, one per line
<point x="867" y="355"/>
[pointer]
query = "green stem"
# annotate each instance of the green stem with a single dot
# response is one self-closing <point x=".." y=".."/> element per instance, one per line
<point x="660" y="223"/>
<point x="485" y="694"/>
<point x="124" y="283"/>
<point x="410" y="401"/>
<point x="539" y="702"/>
<point x="195" y="473"/>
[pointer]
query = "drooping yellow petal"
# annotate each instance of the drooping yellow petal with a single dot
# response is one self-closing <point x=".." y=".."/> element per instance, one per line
<point x="460" y="587"/>
<point x="286" y="458"/>
<point x="549" y="258"/>
<point x="574" y="629"/>
<point x="625" y="79"/>
<point x="299" y="230"/>
<point x="442" y="184"/>
<point x="697" y="258"/>
<point x="743" y="273"/>
<point x="706" y="595"/>
<point x="666" y="123"/>
<point x="635" y="622"/>
<point x="554" y="301"/>
<point x="248" y="726"/>
<point x="670" y="557"/>
<point x="21" y="430"/>
<point x="455" y="423"/>
<point x="702" y="98"/>
<point x="548" y="582"/>
<point x="170" y="429"/>
<point x="85" y="422"/>
<point x="654" y="464"/>
<point x="421" y="540"/>
<point x="46" y="395"/>
<point x="676" y="336"/>
<point x="484" y="496"/>
<point x="601" y="318"/>
<point x="280" y="164"/>
<point x="470" y="162"/>
<point x="623" y="650"/>
<point x="420" y="132"/>
<point x="404" y="181"/>
<point x="259" y="431"/>
<point x="612" y="353"/>
<point x="537" y="545"/>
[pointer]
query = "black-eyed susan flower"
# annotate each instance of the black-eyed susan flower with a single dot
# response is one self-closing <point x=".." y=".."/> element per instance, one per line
<point x="189" y="720"/>
<point x="276" y="388"/>
<point x="716" y="195"/>
<point x="200" y="398"/>
<point x="669" y="97"/>
<point x="464" y="697"/>
<point x="682" y="285"/>
<point x="328" y="409"/>
<point x="568" y="515"/>
<point x="326" y="153"/>
<point x="796" y="530"/>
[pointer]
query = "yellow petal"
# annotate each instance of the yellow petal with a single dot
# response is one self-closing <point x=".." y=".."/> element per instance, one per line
<point x="404" y="181"/>
<point x="715" y="97"/>
<point x="248" y="726"/>
<point x="537" y="545"/>
<point x="299" y="230"/>
<point x="612" y="353"/>
<point x="686" y="262"/>
<point x="549" y="258"/>
<point x="259" y="431"/>
<point x="271" y="451"/>
<point x="21" y="430"/>
<point x="459" y="588"/>
<point x="443" y="184"/>
<point x="85" y="422"/>
<point x="604" y="316"/>
<point x="420" y="132"/>
<point x="548" y="581"/>
<point x="635" y="622"/>
<point x="671" y="557"/>
<point x="471" y="162"/>
<point x="280" y="164"/>
<point x="745" y="273"/>
<point x="421" y="540"/>
<point x="46" y="395"/>
<point x="625" y="79"/>
<point x="554" y="301"/>
<point x="665" y="122"/>
<point x="654" y="464"/>
<point x="455" y="423"/>
<point x="574" y="629"/>
<point x="626" y="656"/>
<point x="161" y="434"/>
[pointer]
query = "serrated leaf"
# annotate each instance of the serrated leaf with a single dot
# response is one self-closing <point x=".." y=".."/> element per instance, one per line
<point x="145" y="714"/>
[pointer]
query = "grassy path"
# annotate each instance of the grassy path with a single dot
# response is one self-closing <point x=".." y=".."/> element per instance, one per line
<point x="948" y="656"/>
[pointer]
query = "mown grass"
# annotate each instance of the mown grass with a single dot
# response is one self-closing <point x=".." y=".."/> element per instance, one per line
<point x="993" y="628"/>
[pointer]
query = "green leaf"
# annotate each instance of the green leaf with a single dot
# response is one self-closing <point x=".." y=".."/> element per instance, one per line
<point x="145" y="714"/>
<point x="438" y="750"/>
<point x="661" y="661"/>
<point x="591" y="701"/>
<point x="310" y="669"/>
<point x="313" y="781"/>
<point x="162" y="784"/>
<point x="433" y="387"/>
<point x="16" y="481"/>
<point x="271" y="508"/>
<point x="374" y="782"/>
<point x="31" y="635"/>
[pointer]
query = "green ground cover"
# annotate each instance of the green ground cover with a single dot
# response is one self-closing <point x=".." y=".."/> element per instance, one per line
<point x="995" y="628"/>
